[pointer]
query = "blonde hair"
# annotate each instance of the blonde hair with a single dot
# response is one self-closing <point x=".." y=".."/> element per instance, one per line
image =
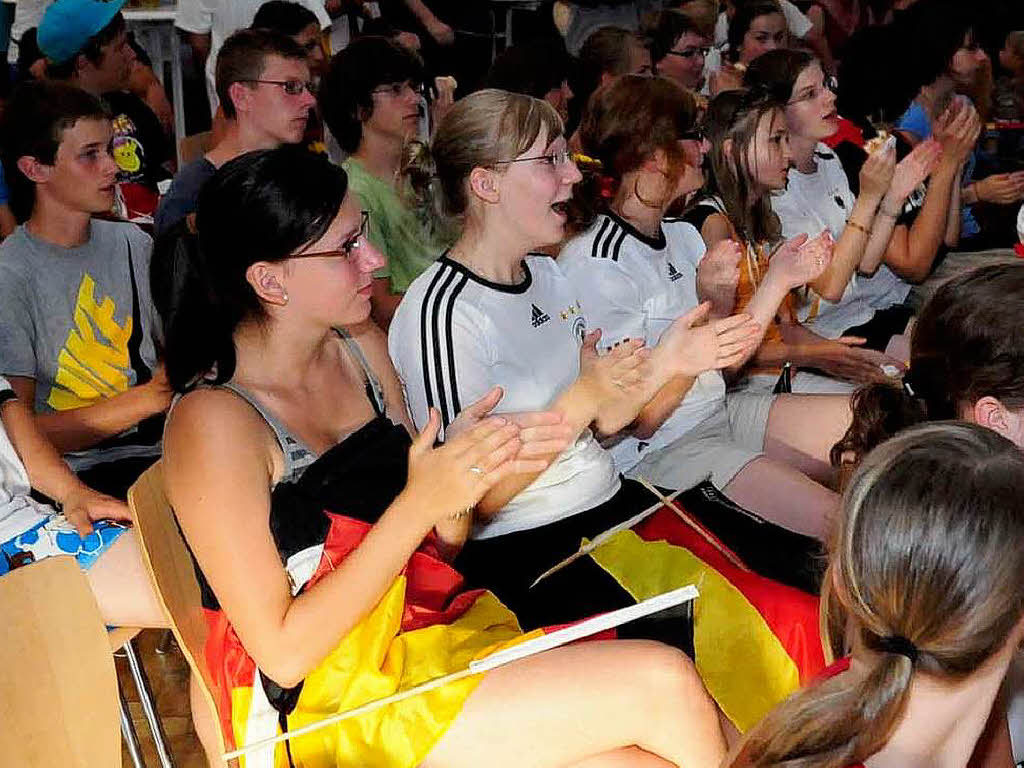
<point x="926" y="563"/>
<point x="480" y="131"/>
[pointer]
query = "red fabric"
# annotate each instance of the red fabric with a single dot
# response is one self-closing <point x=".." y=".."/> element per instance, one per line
<point x="1019" y="249"/>
<point x="791" y="614"/>
<point x="847" y="131"/>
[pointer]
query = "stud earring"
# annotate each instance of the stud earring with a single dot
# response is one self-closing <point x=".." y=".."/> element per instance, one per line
<point x="284" y="297"/>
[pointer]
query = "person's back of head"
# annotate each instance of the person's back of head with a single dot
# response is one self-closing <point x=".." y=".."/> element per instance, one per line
<point x="354" y="74"/>
<point x="625" y="122"/>
<point x="925" y="568"/>
<point x="703" y="13"/>
<point x="608" y="52"/>
<point x="532" y="68"/>
<point x="966" y="361"/>
<point x="34" y="121"/>
<point x="260" y="206"/>
<point x="242" y="59"/>
<point x="86" y="40"/>
<point x="283" y="16"/>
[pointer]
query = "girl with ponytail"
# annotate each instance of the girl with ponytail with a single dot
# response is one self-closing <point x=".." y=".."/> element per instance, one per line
<point x="926" y="569"/>
<point x="966" y="362"/>
<point x="321" y="525"/>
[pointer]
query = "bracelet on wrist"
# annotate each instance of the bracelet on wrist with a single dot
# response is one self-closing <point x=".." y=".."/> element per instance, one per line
<point x="858" y="227"/>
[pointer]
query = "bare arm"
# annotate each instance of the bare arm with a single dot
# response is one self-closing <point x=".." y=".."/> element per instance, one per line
<point x="200" y="42"/>
<point x="222" y="500"/>
<point x="83" y="428"/>
<point x="7" y="221"/>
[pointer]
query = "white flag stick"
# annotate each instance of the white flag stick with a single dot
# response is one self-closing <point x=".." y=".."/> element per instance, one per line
<point x="494" y="660"/>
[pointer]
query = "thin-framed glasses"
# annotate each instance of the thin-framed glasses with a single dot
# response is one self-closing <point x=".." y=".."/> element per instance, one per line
<point x="352" y="244"/>
<point x="815" y="93"/>
<point x="554" y="159"/>
<point x="396" y="89"/>
<point x="291" y="87"/>
<point x="689" y="53"/>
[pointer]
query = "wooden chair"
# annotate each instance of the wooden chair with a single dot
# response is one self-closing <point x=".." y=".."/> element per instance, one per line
<point x="170" y="567"/>
<point x="59" y="705"/>
<point x="193" y="147"/>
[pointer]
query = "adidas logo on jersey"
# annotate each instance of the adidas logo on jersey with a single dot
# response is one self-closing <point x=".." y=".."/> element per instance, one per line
<point x="673" y="273"/>
<point x="539" y="316"/>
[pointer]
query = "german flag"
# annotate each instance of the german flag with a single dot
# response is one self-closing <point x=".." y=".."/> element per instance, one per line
<point x="756" y="641"/>
<point x="424" y="627"/>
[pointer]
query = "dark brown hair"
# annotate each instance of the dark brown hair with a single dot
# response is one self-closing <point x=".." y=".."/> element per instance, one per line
<point x="243" y="57"/>
<point x="968" y="343"/>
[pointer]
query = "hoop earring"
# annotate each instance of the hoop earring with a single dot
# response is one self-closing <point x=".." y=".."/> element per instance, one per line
<point x="645" y="203"/>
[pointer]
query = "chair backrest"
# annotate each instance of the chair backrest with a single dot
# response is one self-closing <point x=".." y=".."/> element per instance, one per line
<point x="58" y="686"/>
<point x="170" y="567"/>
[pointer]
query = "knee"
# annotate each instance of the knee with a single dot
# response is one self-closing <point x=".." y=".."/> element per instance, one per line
<point x="668" y="676"/>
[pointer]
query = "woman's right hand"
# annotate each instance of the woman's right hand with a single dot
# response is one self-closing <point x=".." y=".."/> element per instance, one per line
<point x="877" y="171"/>
<point x="450" y="478"/>
<point x="957" y="130"/>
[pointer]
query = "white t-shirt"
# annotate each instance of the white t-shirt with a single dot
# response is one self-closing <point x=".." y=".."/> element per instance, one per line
<point x="221" y="18"/>
<point x="823" y="200"/>
<point x="456" y="335"/>
<point x="27" y="14"/>
<point x="18" y="510"/>
<point x="798" y="23"/>
<point x="634" y="286"/>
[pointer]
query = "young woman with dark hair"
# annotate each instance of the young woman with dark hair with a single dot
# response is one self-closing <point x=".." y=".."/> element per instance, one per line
<point x="883" y="242"/>
<point x="315" y="611"/>
<point x="638" y="269"/>
<point x="757" y="27"/>
<point x="372" y="101"/>
<point x="924" y="576"/>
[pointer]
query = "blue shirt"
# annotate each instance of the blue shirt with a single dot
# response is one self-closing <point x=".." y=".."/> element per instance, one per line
<point x="916" y="121"/>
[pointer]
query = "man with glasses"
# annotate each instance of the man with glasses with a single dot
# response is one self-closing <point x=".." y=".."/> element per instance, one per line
<point x="678" y="49"/>
<point x="263" y="81"/>
<point x="86" y="45"/>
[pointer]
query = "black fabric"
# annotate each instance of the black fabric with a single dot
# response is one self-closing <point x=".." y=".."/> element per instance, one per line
<point x="114" y="478"/>
<point x="885" y="324"/>
<point x="697" y="215"/>
<point x="140" y="145"/>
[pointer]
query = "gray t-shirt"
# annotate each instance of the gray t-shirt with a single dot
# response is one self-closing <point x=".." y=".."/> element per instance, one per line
<point x="81" y="322"/>
<point x="183" y="196"/>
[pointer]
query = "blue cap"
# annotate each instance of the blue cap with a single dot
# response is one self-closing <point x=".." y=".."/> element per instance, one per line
<point x="67" y="26"/>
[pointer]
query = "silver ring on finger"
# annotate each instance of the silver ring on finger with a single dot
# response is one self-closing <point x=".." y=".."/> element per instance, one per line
<point x="476" y="470"/>
<point x="619" y="383"/>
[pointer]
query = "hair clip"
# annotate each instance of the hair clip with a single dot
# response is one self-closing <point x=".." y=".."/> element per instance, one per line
<point x="589" y="163"/>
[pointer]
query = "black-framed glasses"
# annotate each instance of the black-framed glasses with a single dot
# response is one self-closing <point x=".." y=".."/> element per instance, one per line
<point x="815" y="93"/>
<point x="353" y="243"/>
<point x="291" y="87"/>
<point x="689" y="53"/>
<point x="396" y="89"/>
<point x="554" y="159"/>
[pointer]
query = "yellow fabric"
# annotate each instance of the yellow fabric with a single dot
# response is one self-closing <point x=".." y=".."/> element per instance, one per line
<point x="376" y="660"/>
<point x="744" y="666"/>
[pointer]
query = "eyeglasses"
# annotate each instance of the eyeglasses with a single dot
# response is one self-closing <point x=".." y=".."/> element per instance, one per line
<point x="555" y="159"/>
<point x="353" y="243"/>
<point x="697" y="134"/>
<point x="689" y="53"/>
<point x="291" y="87"/>
<point x="396" y="89"/>
<point x="815" y="93"/>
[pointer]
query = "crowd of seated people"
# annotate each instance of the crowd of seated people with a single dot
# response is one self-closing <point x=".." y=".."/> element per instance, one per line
<point x="670" y="294"/>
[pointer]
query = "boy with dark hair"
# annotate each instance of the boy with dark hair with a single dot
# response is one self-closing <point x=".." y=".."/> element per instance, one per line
<point x="77" y="324"/>
<point x="265" y="89"/>
<point x="86" y="45"/>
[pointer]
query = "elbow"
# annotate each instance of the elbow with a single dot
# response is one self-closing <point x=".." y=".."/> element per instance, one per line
<point x="831" y="292"/>
<point x="283" y="667"/>
<point x="644" y="429"/>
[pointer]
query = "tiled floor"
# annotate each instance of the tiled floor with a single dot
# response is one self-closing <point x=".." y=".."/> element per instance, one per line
<point x="168" y="676"/>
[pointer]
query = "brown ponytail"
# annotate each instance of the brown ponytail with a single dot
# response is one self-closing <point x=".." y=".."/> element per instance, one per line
<point x="968" y="343"/>
<point x="926" y="565"/>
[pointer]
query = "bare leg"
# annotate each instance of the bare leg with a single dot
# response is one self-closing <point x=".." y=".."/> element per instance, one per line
<point x="586" y="702"/>
<point x="205" y="724"/>
<point x="802" y="430"/>
<point x="122" y="587"/>
<point x="785" y="496"/>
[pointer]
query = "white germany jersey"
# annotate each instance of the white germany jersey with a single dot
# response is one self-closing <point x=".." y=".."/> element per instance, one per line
<point x="633" y="287"/>
<point x="456" y="335"/>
